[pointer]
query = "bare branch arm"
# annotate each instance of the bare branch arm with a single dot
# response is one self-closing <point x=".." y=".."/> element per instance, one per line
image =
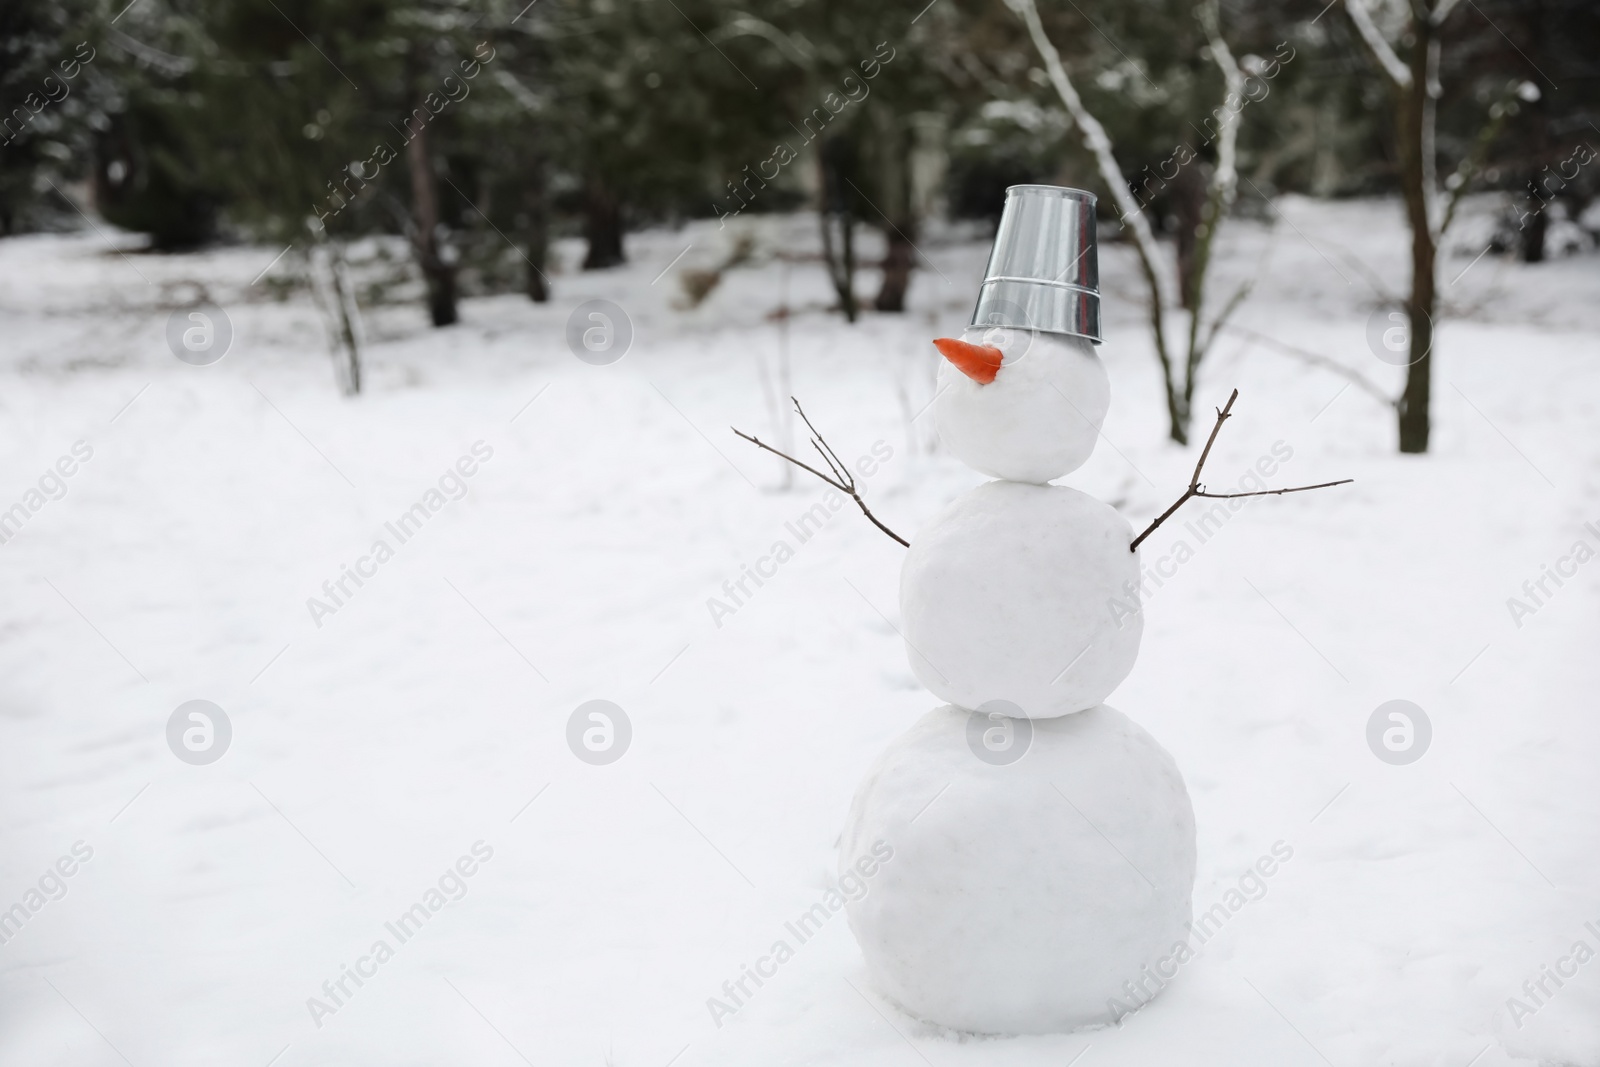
<point x="803" y="466"/>
<point x="845" y="483"/>
<point x="843" y="477"/>
<point x="1223" y="416"/>
<point x="1159" y="519"/>
<point x="835" y="464"/>
<point x="1272" y="492"/>
<point x="874" y="520"/>
<point x="1196" y="490"/>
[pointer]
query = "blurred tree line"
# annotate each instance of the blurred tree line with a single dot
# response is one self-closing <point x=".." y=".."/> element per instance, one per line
<point x="480" y="130"/>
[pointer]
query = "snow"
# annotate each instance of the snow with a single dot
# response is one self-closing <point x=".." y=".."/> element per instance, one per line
<point x="998" y="906"/>
<point x="371" y="755"/>
<point x="1022" y="594"/>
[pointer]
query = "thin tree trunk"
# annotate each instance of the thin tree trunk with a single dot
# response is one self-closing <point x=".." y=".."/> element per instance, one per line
<point x="1189" y="207"/>
<point x="538" y="234"/>
<point x="1413" y="114"/>
<point x="335" y="297"/>
<point x="1530" y="239"/>
<point x="439" y="276"/>
<point x="1129" y="212"/>
<point x="840" y="260"/>
<point x="896" y="269"/>
<point x="602" y="225"/>
<point x="350" y="332"/>
<point x="900" y="223"/>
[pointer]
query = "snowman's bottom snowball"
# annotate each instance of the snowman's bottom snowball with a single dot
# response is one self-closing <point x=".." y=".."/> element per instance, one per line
<point x="1022" y="899"/>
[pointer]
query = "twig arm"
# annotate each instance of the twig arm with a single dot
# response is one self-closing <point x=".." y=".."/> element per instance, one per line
<point x="1195" y="489"/>
<point x="1222" y="416"/>
<point x="1163" y="517"/>
<point x="842" y="479"/>
<point x="862" y="504"/>
<point x="803" y="466"/>
<point x="1273" y="492"/>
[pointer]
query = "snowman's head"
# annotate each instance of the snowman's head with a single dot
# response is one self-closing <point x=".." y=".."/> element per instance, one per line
<point x="1020" y="404"/>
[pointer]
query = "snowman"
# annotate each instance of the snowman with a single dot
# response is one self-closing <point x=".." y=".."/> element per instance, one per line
<point x="1044" y="844"/>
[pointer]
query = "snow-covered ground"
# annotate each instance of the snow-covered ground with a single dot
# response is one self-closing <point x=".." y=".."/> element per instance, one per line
<point x="423" y="723"/>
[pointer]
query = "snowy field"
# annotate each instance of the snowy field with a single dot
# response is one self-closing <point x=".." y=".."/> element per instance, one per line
<point x="419" y="730"/>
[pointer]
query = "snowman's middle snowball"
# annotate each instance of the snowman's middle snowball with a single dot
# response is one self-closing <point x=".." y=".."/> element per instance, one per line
<point x="1008" y="595"/>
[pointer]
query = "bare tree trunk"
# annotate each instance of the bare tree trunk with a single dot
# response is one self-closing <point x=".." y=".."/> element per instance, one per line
<point x="1414" y="85"/>
<point x="1188" y="206"/>
<point x="1414" y="121"/>
<point x="602" y="225"/>
<point x="893" y="143"/>
<point x="840" y="259"/>
<point x="1530" y="238"/>
<point x="1219" y="196"/>
<point x="335" y="297"/>
<point x="438" y="275"/>
<point x="896" y="269"/>
<point x="1538" y="122"/>
<point x="775" y="380"/>
<point x="538" y="233"/>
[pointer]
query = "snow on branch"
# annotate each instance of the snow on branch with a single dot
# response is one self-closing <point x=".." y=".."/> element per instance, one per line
<point x="1226" y="179"/>
<point x="1094" y="137"/>
<point x="1221" y="189"/>
<point x="1373" y="38"/>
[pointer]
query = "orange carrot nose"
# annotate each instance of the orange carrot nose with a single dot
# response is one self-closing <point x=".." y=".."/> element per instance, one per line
<point x="978" y="362"/>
